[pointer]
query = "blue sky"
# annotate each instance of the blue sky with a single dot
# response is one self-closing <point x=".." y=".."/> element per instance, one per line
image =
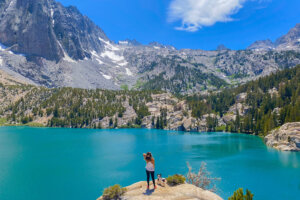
<point x="196" y="24"/>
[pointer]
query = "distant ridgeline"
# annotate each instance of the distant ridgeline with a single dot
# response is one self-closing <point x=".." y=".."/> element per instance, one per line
<point x="255" y="107"/>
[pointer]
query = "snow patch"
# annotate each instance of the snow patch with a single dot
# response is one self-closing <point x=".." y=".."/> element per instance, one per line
<point x="111" y="55"/>
<point x="68" y="59"/>
<point x="66" y="56"/>
<point x="128" y="72"/>
<point x="123" y="42"/>
<point x="109" y="45"/>
<point x="11" y="6"/>
<point x="1" y="61"/>
<point x="156" y="47"/>
<point x="99" y="61"/>
<point x="2" y="47"/>
<point x="298" y="39"/>
<point x="51" y="12"/>
<point x="106" y="76"/>
<point x="123" y="64"/>
<point x="94" y="53"/>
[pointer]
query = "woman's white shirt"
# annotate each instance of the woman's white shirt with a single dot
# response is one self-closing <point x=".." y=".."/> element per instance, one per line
<point x="150" y="167"/>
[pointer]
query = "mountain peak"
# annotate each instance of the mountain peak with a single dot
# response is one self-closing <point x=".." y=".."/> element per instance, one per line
<point x="158" y="45"/>
<point x="222" y="47"/>
<point x="48" y="29"/>
<point x="129" y="42"/>
<point x="262" y="45"/>
<point x="291" y="40"/>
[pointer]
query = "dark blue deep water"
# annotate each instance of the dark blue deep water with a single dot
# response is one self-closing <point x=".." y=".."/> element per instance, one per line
<point x="77" y="164"/>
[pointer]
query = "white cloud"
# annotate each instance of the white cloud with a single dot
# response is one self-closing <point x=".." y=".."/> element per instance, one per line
<point x="195" y="14"/>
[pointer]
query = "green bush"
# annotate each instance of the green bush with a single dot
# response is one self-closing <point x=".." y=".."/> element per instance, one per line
<point x="34" y="124"/>
<point x="3" y="121"/>
<point x="113" y="192"/>
<point x="176" y="179"/>
<point x="239" y="195"/>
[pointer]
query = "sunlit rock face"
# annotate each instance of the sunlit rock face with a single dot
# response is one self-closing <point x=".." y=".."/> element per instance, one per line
<point x="286" y="138"/>
<point x="185" y="191"/>
<point x="47" y="29"/>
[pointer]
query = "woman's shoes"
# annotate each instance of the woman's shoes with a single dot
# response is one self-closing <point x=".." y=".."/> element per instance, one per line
<point x="154" y="187"/>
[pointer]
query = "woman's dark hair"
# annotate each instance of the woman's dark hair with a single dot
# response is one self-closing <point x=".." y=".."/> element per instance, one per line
<point x="149" y="156"/>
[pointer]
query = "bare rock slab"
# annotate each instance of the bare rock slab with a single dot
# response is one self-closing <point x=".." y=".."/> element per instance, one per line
<point x="286" y="138"/>
<point x="138" y="191"/>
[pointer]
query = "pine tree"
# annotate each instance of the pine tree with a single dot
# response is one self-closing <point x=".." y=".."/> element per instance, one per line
<point x="239" y="195"/>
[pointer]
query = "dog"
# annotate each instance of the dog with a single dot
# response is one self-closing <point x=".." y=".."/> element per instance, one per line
<point x="160" y="180"/>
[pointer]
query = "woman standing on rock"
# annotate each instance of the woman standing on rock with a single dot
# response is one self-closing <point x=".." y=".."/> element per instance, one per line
<point x="150" y="168"/>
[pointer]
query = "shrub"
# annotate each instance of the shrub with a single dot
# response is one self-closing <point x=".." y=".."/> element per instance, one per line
<point x="176" y="179"/>
<point x="239" y="195"/>
<point x="113" y="192"/>
<point x="3" y="121"/>
<point x="34" y="124"/>
<point x="202" y="178"/>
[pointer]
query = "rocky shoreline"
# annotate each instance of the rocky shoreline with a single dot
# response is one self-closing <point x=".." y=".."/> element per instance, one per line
<point x="285" y="138"/>
<point x="138" y="191"/>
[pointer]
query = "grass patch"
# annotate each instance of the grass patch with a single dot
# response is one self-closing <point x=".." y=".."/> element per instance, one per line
<point x="138" y="84"/>
<point x="221" y="128"/>
<point x="34" y="124"/>
<point x="3" y="121"/>
<point x="124" y="87"/>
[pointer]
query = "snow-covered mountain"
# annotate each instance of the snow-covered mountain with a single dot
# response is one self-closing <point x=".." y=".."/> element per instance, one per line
<point x="55" y="46"/>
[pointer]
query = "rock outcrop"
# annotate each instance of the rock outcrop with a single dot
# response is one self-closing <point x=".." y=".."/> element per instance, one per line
<point x="138" y="191"/>
<point x="286" y="138"/>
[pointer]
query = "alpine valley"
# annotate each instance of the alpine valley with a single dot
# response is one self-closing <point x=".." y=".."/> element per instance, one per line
<point x="56" y="46"/>
<point x="59" y="69"/>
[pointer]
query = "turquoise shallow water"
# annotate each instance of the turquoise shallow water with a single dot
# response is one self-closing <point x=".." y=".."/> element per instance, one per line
<point x="45" y="163"/>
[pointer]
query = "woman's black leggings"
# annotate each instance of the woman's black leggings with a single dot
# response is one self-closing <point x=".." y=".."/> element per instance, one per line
<point x="152" y="176"/>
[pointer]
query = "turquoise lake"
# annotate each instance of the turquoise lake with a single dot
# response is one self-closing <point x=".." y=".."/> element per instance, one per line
<point x="77" y="164"/>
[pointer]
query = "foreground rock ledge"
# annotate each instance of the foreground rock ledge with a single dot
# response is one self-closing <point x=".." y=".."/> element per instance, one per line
<point x="138" y="191"/>
<point x="286" y="138"/>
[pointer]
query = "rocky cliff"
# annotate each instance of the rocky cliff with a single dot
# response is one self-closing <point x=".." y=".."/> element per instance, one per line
<point x="138" y="191"/>
<point x="49" y="30"/>
<point x="285" y="138"/>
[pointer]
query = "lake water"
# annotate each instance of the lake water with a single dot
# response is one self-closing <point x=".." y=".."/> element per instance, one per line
<point x="77" y="164"/>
